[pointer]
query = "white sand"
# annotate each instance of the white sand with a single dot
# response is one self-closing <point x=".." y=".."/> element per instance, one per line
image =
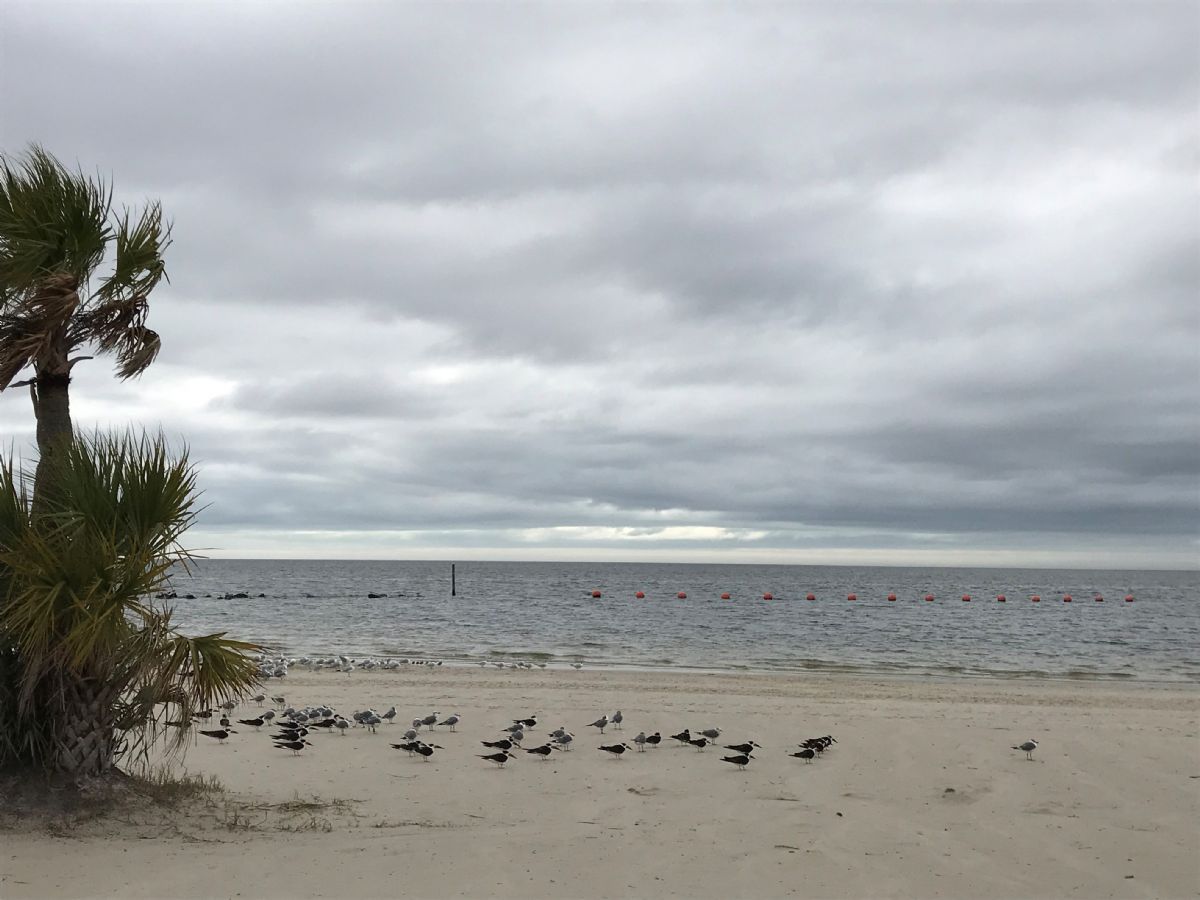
<point x="1109" y="808"/>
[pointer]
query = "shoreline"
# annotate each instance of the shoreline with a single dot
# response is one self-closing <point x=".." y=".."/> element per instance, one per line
<point x="921" y="796"/>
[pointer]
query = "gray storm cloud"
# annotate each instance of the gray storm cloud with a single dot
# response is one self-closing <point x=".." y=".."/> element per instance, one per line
<point x="904" y="283"/>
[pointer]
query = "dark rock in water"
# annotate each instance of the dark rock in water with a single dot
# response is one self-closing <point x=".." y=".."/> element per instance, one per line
<point x="241" y="595"/>
<point x="166" y="595"/>
<point x="262" y="595"/>
<point x="189" y="596"/>
<point x="375" y="596"/>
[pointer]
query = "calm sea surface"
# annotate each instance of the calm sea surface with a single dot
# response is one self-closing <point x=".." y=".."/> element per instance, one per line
<point x="545" y="612"/>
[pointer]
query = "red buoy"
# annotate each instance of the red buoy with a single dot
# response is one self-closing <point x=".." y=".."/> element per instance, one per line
<point x="966" y="598"/>
<point x="810" y="597"/>
<point x="1036" y="599"/>
<point x="724" y="596"/>
<point x="1099" y="598"/>
<point x="1129" y="598"/>
<point x="640" y="595"/>
<point x="681" y="595"/>
<point x="768" y="596"/>
<point x="595" y="594"/>
<point x="929" y="598"/>
<point x="1000" y="598"/>
<point x="852" y="596"/>
<point x="1066" y="598"/>
<point x="891" y="598"/>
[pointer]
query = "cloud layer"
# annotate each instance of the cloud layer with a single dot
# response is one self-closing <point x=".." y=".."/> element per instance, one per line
<point x="910" y="283"/>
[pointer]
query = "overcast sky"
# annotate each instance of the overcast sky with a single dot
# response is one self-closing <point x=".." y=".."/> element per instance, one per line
<point x="831" y="283"/>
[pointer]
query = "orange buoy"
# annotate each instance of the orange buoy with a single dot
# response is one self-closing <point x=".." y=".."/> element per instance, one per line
<point x="595" y="594"/>
<point x="929" y="598"/>
<point x="1036" y="599"/>
<point x="810" y="597"/>
<point x="1000" y="598"/>
<point x="681" y="595"/>
<point x="891" y="598"/>
<point x="852" y="596"/>
<point x="966" y="598"/>
<point x="640" y="595"/>
<point x="1066" y="598"/>
<point x="1129" y="598"/>
<point x="724" y="596"/>
<point x="768" y="596"/>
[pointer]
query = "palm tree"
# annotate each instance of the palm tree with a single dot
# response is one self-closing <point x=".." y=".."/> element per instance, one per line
<point x="56" y="227"/>
<point x="99" y="670"/>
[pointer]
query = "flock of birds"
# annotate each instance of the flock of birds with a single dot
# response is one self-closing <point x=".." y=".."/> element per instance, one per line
<point x="278" y="666"/>
<point x="291" y="728"/>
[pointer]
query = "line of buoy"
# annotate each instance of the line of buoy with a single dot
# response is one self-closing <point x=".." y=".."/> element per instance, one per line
<point x="929" y="598"/>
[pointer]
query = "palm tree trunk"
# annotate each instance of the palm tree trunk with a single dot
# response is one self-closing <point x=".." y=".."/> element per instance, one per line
<point x="52" y="407"/>
<point x="86" y="739"/>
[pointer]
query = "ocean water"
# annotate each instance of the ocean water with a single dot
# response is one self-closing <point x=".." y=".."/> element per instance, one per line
<point x="545" y="612"/>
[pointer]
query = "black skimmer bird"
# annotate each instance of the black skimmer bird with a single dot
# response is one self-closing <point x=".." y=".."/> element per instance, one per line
<point x="294" y="746"/>
<point x="224" y="722"/>
<point x="504" y="744"/>
<point x="543" y="751"/>
<point x="527" y="724"/>
<point x="499" y="758"/>
<point x="255" y="723"/>
<point x="741" y="760"/>
<point x="204" y="714"/>
<point x="684" y="737"/>
<point x="806" y="754"/>
<point x="746" y="748"/>
<point x="615" y="749"/>
<point x="654" y="740"/>
<point x="699" y="743"/>
<point x="220" y="734"/>
<point x="600" y="723"/>
<point x="1029" y="746"/>
<point x="617" y="719"/>
<point x="426" y="750"/>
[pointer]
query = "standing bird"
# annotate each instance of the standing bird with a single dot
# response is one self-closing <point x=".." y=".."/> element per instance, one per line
<point x="617" y="719"/>
<point x="430" y="720"/>
<point x="615" y="749"/>
<point x="699" y="743"/>
<point x="255" y="723"/>
<point x="640" y="740"/>
<point x="258" y="698"/>
<point x="748" y="747"/>
<point x="295" y="746"/>
<point x="221" y="734"/>
<point x="654" y="740"/>
<point x="564" y="741"/>
<point x="684" y="737"/>
<point x="1029" y="746"/>
<point x="504" y="745"/>
<point x="528" y="724"/>
<point x="711" y="733"/>
<point x="600" y="723"/>
<point x="806" y="754"/>
<point x="451" y="721"/>
<point x="499" y="758"/>
<point x="341" y="725"/>
<point x="543" y="751"/>
<point x="741" y="760"/>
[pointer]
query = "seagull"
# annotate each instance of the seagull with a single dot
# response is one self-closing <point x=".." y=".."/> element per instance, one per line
<point x="741" y="760"/>
<point x="640" y="740"/>
<point x="341" y="725"/>
<point x="617" y="719"/>
<point x="564" y="741"/>
<point x="806" y="754"/>
<point x="514" y="728"/>
<point x="654" y="740"/>
<point x="558" y="732"/>
<point x="615" y="749"/>
<point x="389" y="715"/>
<point x="746" y="748"/>
<point x="220" y="734"/>
<point x="258" y="698"/>
<point x="499" y="758"/>
<point x="279" y="701"/>
<point x="430" y="720"/>
<point x="543" y="751"/>
<point x="711" y="733"/>
<point x="600" y="723"/>
<point x="684" y="737"/>
<point x="516" y="736"/>
<point x="1029" y="746"/>
<point x="451" y="721"/>
<point x="268" y="715"/>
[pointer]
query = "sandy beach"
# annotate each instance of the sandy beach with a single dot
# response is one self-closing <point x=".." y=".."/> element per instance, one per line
<point x="921" y="797"/>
